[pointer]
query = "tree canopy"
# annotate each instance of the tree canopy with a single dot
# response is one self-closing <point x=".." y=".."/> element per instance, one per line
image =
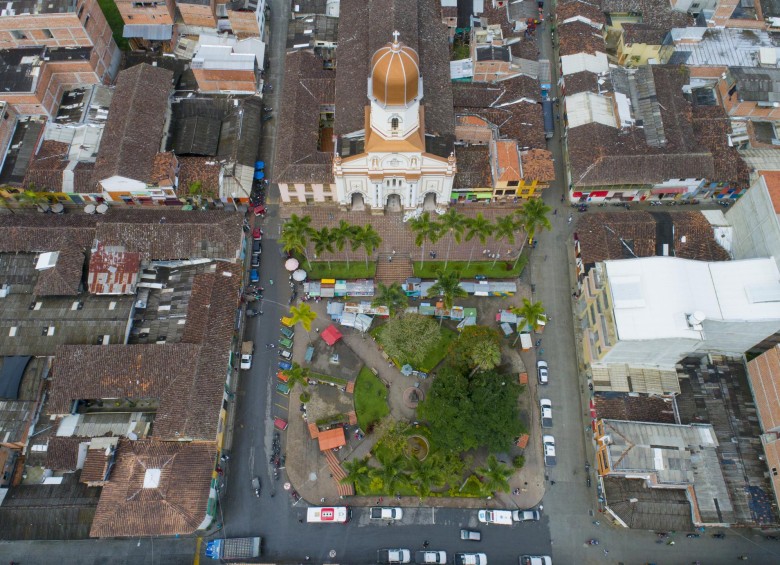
<point x="410" y="337"/>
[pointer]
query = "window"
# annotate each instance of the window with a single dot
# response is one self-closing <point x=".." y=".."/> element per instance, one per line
<point x="394" y="124"/>
<point x="513" y="183"/>
<point x="16" y="34"/>
<point x="499" y="192"/>
<point x="81" y="11"/>
<point x="47" y="33"/>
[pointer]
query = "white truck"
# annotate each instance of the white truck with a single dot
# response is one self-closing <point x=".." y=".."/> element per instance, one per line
<point x="535" y="560"/>
<point x="393" y="556"/>
<point x="386" y="513"/>
<point x="425" y="557"/>
<point x="503" y="517"/>
<point x="525" y="341"/>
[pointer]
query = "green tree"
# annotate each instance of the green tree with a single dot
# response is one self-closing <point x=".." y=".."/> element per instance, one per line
<point x="391" y="473"/>
<point x="392" y="296"/>
<point x="303" y="315"/>
<point x="505" y="228"/>
<point x="495" y="475"/>
<point x="408" y="338"/>
<point x="323" y="241"/>
<point x="460" y="352"/>
<point x="423" y="475"/>
<point x="424" y="229"/>
<point x="297" y="374"/>
<point x="195" y="190"/>
<point x="31" y="197"/>
<point x="531" y="311"/>
<point x="344" y="234"/>
<point x="452" y="223"/>
<point x="444" y="408"/>
<point x="532" y="217"/>
<point x="496" y="419"/>
<point x="447" y="285"/>
<point x="368" y="238"/>
<point x="358" y="473"/>
<point x="295" y="235"/>
<point x="480" y="227"/>
<point x="485" y="355"/>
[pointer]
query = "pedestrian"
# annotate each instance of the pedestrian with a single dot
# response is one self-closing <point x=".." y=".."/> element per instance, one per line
<point x="555" y="212"/>
<point x="317" y="330"/>
<point x="426" y="544"/>
<point x="322" y="500"/>
<point x="390" y="259"/>
<point x="552" y="482"/>
<point x="606" y="552"/>
<point x="393" y="251"/>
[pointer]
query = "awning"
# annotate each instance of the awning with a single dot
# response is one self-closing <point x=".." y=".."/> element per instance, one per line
<point x="670" y="190"/>
<point x="331" y="439"/>
<point x="331" y="335"/>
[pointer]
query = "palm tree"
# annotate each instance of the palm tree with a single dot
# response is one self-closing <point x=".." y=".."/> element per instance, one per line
<point x="531" y="311"/>
<point x="424" y="475"/>
<point x="485" y="355"/>
<point x="31" y="197"/>
<point x="533" y="217"/>
<point x="367" y="238"/>
<point x="447" y="285"/>
<point x="297" y="374"/>
<point x="342" y="235"/>
<point x="390" y="473"/>
<point x="358" y="473"/>
<point x="495" y="475"/>
<point x="303" y="315"/>
<point x="480" y="227"/>
<point x="295" y="235"/>
<point x="505" y="228"/>
<point x="452" y="223"/>
<point x="424" y="230"/>
<point x="323" y="241"/>
<point x="392" y="296"/>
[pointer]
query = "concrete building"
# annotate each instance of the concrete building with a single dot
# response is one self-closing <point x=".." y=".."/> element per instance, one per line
<point x="657" y="310"/>
<point x="755" y="219"/>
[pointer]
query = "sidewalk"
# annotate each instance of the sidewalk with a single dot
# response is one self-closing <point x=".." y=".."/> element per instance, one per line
<point x="308" y="471"/>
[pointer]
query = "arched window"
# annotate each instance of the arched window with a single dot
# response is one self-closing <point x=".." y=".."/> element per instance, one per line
<point x="394" y="124"/>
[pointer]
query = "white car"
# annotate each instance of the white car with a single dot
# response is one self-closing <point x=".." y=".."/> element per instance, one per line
<point x="535" y="560"/>
<point x="386" y="513"/>
<point x="470" y="559"/>
<point x="436" y="557"/>
<point x="541" y="371"/>
<point x="549" y="451"/>
<point x="246" y="361"/>
<point x="525" y="515"/>
<point x="545" y="405"/>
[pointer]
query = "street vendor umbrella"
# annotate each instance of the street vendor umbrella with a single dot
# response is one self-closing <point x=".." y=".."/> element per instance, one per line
<point x="291" y="264"/>
<point x="259" y="175"/>
<point x="406" y="370"/>
<point x="287" y="486"/>
<point x="331" y="335"/>
<point x="299" y="275"/>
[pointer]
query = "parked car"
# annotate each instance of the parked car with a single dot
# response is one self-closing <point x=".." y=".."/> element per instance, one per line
<point x="280" y="424"/>
<point x="535" y="560"/>
<point x="285" y="365"/>
<point x="386" y="513"/>
<point x="438" y="557"/>
<point x="470" y="535"/>
<point x="287" y="332"/>
<point x="546" y="408"/>
<point x="549" y="450"/>
<point x="541" y="371"/>
<point x="246" y="361"/>
<point x="254" y="276"/>
<point x="393" y="556"/>
<point x="257" y="234"/>
<point x="503" y="517"/>
<point x="285" y="354"/>
<point x="525" y="515"/>
<point x="470" y="559"/>
<point x="282" y="388"/>
<point x="284" y="342"/>
<point x="256" y="246"/>
<point x="255" y="261"/>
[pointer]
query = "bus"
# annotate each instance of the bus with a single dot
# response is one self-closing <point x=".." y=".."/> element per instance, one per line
<point x="328" y="515"/>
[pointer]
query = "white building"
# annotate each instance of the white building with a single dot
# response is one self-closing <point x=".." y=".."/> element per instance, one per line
<point x="394" y="170"/>
<point x="664" y="309"/>
<point x="755" y="219"/>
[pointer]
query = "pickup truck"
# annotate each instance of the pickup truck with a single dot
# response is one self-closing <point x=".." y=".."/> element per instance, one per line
<point x="437" y="557"/>
<point x="525" y="515"/>
<point x="545" y="405"/>
<point x="470" y="559"/>
<point x="535" y="560"/>
<point x="386" y="513"/>
<point x="495" y="517"/>
<point x="247" y="348"/>
<point x="549" y="451"/>
<point x="393" y="556"/>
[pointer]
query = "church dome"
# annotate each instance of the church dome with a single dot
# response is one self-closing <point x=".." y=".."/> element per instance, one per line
<point x="395" y="74"/>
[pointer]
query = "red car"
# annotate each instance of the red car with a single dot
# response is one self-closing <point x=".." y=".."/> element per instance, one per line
<point x="257" y="233"/>
<point x="259" y="210"/>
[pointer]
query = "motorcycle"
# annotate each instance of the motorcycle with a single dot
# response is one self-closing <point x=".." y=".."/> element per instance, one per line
<point x="276" y="474"/>
<point x="692" y="536"/>
<point x="592" y="542"/>
<point x="538" y="343"/>
<point x="256" y="486"/>
<point x="719" y="536"/>
<point x="252" y="313"/>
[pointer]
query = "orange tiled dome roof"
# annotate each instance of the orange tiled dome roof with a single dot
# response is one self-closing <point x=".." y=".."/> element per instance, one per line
<point x="395" y="73"/>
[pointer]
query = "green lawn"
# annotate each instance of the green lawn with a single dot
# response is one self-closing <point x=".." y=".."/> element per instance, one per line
<point x="370" y="398"/>
<point x="338" y="269"/>
<point x="434" y="356"/>
<point x="114" y="19"/>
<point x="502" y="270"/>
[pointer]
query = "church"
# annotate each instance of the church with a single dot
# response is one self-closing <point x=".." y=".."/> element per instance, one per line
<point x="375" y="130"/>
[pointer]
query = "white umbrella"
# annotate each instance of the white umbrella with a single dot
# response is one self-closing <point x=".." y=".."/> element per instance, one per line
<point x="291" y="264"/>
<point x="287" y="486"/>
<point x="299" y="275"/>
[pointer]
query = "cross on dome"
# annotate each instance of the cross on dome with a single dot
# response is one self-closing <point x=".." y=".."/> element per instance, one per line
<point x="396" y="43"/>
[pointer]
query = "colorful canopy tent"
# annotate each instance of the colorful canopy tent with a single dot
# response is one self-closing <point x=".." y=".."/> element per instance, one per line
<point x="331" y="335"/>
<point x="331" y="439"/>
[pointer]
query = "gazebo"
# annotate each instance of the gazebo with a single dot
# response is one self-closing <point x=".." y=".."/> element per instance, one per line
<point x="331" y="335"/>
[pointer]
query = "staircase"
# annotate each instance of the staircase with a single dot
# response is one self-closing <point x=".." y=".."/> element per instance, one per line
<point x="397" y="270"/>
<point x="338" y="474"/>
